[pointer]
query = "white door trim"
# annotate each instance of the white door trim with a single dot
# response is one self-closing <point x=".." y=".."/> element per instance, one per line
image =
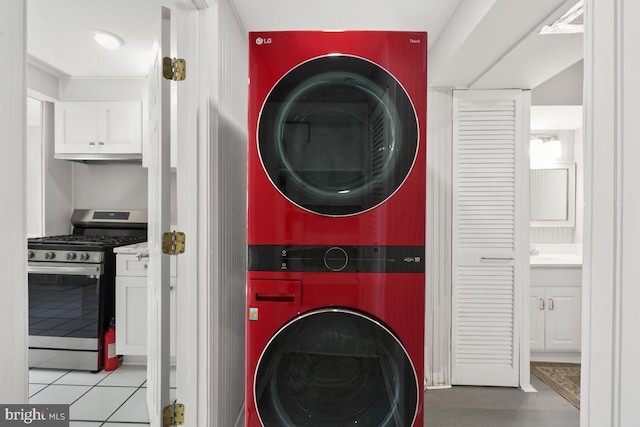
<point x="13" y="257"/>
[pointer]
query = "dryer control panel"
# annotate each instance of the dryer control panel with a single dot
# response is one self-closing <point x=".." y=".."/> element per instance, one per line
<point x="349" y="259"/>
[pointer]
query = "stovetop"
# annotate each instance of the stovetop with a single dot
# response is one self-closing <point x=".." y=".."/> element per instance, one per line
<point x="95" y="234"/>
<point x="79" y="241"/>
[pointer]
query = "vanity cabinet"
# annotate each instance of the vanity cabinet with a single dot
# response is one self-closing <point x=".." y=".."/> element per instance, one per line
<point x="556" y="310"/>
<point x="131" y="304"/>
<point x="94" y="130"/>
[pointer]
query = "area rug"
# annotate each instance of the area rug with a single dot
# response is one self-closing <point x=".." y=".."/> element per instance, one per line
<point x="564" y="378"/>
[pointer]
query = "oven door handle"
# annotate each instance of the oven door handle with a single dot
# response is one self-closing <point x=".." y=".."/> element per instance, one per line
<point x="93" y="270"/>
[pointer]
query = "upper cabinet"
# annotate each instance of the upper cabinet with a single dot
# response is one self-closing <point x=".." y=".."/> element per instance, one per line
<point x="98" y="130"/>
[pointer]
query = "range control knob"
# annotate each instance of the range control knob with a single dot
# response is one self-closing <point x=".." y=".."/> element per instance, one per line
<point x="30" y="254"/>
<point x="336" y="259"/>
<point x="49" y="255"/>
<point x="71" y="256"/>
<point x="84" y="256"/>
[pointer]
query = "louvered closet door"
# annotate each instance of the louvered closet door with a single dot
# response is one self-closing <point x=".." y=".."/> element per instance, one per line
<point x="488" y="139"/>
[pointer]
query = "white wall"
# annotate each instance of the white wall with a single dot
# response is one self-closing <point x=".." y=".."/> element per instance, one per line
<point x="34" y="149"/>
<point x="228" y="115"/>
<point x="563" y="89"/>
<point x="42" y="83"/>
<point x="110" y="186"/>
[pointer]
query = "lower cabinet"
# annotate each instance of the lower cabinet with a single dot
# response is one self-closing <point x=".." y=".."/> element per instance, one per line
<point x="556" y="310"/>
<point x="131" y="306"/>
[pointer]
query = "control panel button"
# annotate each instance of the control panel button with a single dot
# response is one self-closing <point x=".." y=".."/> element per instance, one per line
<point x="84" y="256"/>
<point x="70" y="256"/>
<point x="49" y="255"/>
<point x="336" y="259"/>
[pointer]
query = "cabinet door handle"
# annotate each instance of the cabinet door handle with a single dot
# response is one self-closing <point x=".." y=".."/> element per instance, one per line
<point x="551" y="304"/>
<point x="502" y="259"/>
<point x="100" y="143"/>
<point x="541" y="303"/>
<point x="92" y="143"/>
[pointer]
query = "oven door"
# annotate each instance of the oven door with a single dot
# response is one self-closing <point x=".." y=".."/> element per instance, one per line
<point x="65" y="315"/>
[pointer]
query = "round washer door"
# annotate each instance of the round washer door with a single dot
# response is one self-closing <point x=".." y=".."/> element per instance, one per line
<point x="337" y="368"/>
<point x="337" y="135"/>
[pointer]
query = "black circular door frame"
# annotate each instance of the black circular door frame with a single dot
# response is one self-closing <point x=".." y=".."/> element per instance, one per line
<point x="337" y="135"/>
<point x="335" y="367"/>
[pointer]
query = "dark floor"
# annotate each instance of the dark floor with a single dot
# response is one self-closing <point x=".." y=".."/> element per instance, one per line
<point x="462" y="406"/>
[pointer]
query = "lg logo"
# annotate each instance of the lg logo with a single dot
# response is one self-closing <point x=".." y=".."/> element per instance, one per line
<point x="261" y="40"/>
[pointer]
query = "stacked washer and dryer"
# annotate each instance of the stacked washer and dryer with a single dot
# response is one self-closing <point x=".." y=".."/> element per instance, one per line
<point x="336" y="229"/>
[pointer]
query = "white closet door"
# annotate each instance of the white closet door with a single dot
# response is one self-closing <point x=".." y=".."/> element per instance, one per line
<point x="488" y="219"/>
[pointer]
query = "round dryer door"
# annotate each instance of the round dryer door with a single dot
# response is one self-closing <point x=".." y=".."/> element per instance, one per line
<point x="335" y="368"/>
<point x="337" y="135"/>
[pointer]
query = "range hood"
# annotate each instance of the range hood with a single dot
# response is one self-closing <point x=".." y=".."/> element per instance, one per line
<point x="100" y="157"/>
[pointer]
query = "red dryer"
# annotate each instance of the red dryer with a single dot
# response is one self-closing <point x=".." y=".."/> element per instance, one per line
<point x="336" y="229"/>
<point x="337" y="138"/>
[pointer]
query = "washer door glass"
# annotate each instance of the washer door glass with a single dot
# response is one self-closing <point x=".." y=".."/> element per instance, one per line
<point x="337" y="135"/>
<point x="335" y="368"/>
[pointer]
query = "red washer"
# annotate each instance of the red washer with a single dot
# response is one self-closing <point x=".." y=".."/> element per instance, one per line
<point x="337" y="138"/>
<point x="336" y="229"/>
<point x="335" y="349"/>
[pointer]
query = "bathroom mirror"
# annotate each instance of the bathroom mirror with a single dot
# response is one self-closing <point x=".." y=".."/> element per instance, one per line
<point x="552" y="191"/>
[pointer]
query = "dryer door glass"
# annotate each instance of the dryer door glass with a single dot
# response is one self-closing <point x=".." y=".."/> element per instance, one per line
<point x="335" y="368"/>
<point x="337" y="135"/>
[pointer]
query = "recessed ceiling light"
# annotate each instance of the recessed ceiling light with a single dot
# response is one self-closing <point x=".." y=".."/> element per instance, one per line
<point x="107" y="39"/>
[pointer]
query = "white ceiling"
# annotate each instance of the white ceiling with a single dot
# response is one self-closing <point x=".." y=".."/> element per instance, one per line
<point x="60" y="35"/>
<point x="472" y="43"/>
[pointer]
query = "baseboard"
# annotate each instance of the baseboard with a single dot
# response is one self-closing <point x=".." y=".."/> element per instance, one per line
<point x="134" y="360"/>
<point x="437" y="387"/>
<point x="142" y="360"/>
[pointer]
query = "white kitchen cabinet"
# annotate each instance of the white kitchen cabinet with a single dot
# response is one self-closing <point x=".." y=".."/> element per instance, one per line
<point x="98" y="129"/>
<point x="556" y="312"/>
<point x="131" y="305"/>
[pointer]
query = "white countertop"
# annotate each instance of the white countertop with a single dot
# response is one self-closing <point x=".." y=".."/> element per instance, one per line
<point x="555" y="255"/>
<point x="131" y="249"/>
<point x="555" y="260"/>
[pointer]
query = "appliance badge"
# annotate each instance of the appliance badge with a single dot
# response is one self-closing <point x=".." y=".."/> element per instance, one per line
<point x="261" y="40"/>
<point x="412" y="259"/>
<point x="414" y="41"/>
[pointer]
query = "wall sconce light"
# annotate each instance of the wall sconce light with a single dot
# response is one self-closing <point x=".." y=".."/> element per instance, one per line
<point x="544" y="149"/>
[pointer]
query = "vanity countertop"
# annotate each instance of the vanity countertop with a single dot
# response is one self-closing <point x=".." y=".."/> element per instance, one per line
<point x="556" y="255"/>
<point x="555" y="260"/>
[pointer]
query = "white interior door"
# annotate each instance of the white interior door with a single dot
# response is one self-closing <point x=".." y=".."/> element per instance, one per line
<point x="489" y="232"/>
<point x="158" y="315"/>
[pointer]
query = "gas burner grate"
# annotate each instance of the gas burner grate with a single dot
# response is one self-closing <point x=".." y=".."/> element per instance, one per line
<point x="79" y="240"/>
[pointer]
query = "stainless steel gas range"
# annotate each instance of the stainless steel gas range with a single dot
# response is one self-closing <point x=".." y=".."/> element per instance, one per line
<point x="72" y="287"/>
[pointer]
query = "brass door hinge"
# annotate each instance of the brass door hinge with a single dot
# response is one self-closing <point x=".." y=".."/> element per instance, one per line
<point x="173" y="243"/>
<point x="173" y="415"/>
<point x="174" y="69"/>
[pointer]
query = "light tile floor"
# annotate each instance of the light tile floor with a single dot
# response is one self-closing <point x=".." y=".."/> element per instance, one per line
<point x="109" y="399"/>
